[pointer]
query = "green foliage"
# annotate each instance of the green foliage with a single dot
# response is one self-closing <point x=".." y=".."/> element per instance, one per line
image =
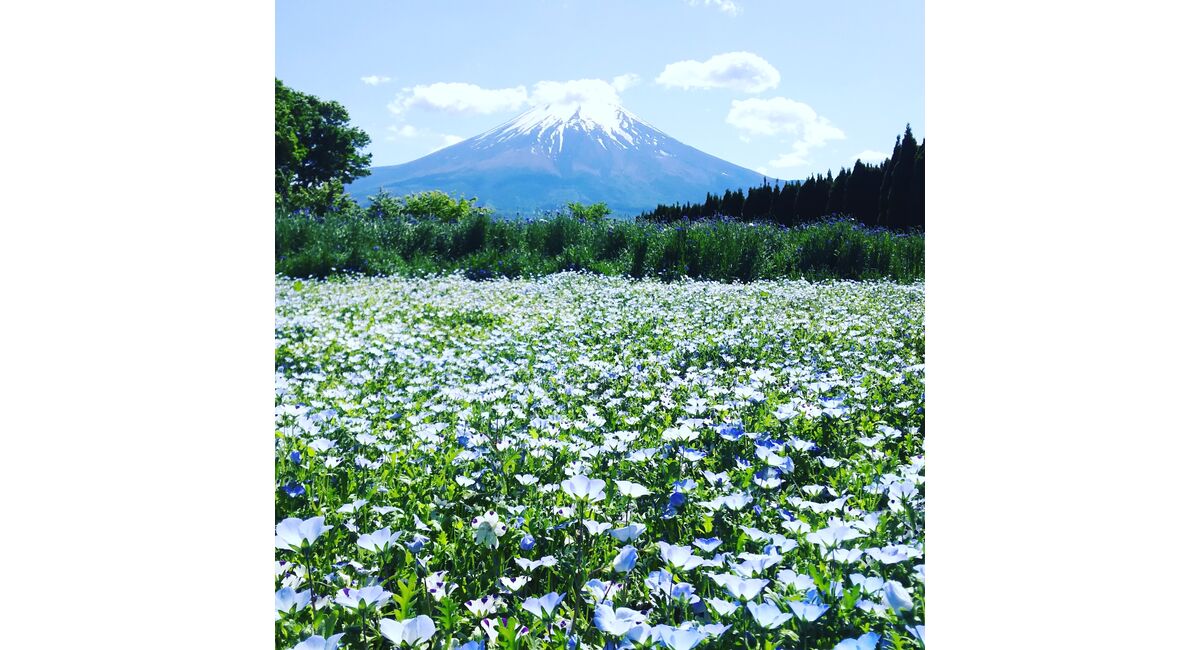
<point x="386" y="238"/>
<point x="441" y="206"/>
<point x="316" y="151"/>
<point x="596" y="212"/>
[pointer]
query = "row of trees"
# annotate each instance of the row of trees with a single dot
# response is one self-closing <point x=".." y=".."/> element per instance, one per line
<point x="889" y="195"/>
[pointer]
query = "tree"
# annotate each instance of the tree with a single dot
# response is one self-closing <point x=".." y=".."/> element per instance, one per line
<point x="595" y="212"/>
<point x="316" y="150"/>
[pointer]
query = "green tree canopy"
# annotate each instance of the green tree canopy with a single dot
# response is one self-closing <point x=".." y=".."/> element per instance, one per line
<point x="316" y="149"/>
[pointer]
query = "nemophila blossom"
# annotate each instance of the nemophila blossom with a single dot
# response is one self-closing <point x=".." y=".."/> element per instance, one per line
<point x="805" y="611"/>
<point x="721" y="607"/>
<point x="297" y="534"/>
<point x="491" y="626"/>
<point x="660" y="582"/>
<point x="893" y="554"/>
<point x="780" y="545"/>
<point x="631" y="489"/>
<point x="438" y="586"/>
<point x="730" y="432"/>
<point x="352" y="506"/>
<point x="320" y="643"/>
<point x="706" y="544"/>
<point x="367" y="597"/>
<point x="482" y="606"/>
<point x="320" y="445"/>
<point x="642" y="455"/>
<point x="627" y="533"/>
<point x="583" y="488"/>
<point x="797" y="581"/>
<point x="413" y="632"/>
<point x="846" y="555"/>
<point x="293" y="489"/>
<point x="626" y="559"/>
<point x="675" y="638"/>
<point x="616" y="622"/>
<point x="872" y="607"/>
<point x="418" y="542"/>
<point x="896" y="597"/>
<point x="564" y="512"/>
<point x="514" y="584"/>
<point x="767" y="615"/>
<point x="679" y="557"/>
<point x="870" y="585"/>
<point x="294" y="457"/>
<point x="753" y="563"/>
<point x="488" y="529"/>
<point x="868" y="641"/>
<point x="288" y="600"/>
<point x="600" y="591"/>
<point x="530" y="565"/>
<point x="379" y="540"/>
<point x="527" y="542"/>
<point x="739" y="587"/>
<point x="833" y="535"/>
<point x="594" y="527"/>
<point x="542" y="607"/>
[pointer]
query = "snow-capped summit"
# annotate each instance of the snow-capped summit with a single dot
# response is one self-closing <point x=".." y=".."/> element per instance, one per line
<point x="586" y="151"/>
<point x="548" y="123"/>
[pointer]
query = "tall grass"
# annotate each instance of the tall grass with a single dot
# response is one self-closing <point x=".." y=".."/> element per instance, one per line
<point x="484" y="246"/>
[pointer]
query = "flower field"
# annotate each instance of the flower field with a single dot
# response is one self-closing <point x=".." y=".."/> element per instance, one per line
<point x="582" y="461"/>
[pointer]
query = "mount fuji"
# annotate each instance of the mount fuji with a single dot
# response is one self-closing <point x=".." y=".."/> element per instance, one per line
<point x="556" y="153"/>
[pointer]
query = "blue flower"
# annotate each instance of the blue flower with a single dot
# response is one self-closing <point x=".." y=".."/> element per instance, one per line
<point x="868" y="641"/>
<point x="686" y="485"/>
<point x="413" y="631"/>
<point x="677" y="500"/>
<point x="294" y="457"/>
<point x="767" y="615"/>
<point x="625" y="560"/>
<point x="678" y="638"/>
<point x="293" y="489"/>
<point x="707" y="544"/>
<point x="527" y="542"/>
<point x="542" y="607"/>
<point x="319" y="643"/>
<point x="618" y="622"/>
<point x="418" y="543"/>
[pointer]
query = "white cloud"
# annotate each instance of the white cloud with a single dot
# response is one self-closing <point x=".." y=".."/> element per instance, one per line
<point x="727" y="6"/>
<point x="621" y="82"/>
<point x="870" y="156"/>
<point x="375" y="80"/>
<point x="406" y="131"/>
<point x="576" y="91"/>
<point x="782" y="116"/>
<point x="778" y="115"/>
<point x="742" y="71"/>
<point x="462" y="98"/>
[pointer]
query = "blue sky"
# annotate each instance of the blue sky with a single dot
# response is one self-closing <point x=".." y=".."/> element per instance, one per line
<point x="785" y="88"/>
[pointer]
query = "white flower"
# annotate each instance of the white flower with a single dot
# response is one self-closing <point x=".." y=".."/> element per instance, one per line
<point x="409" y="632"/>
